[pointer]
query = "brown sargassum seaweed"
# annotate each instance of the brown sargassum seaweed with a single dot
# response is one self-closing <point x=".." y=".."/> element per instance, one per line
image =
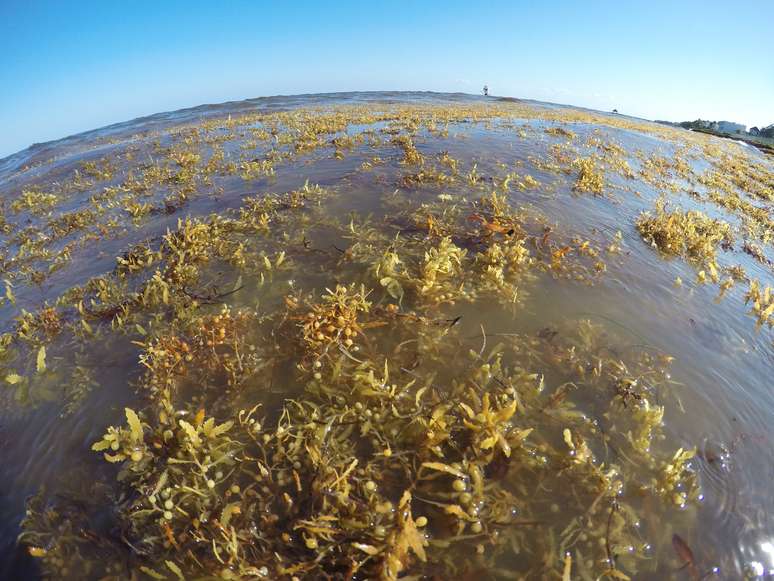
<point x="337" y="411"/>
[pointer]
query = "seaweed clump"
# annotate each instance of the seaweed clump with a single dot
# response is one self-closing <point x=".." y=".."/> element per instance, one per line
<point x="385" y="464"/>
<point x="590" y="176"/>
<point x="691" y="234"/>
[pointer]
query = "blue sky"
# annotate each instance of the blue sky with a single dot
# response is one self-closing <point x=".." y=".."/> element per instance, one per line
<point x="66" y="67"/>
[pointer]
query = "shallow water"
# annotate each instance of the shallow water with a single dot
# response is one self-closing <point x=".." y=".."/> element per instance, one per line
<point x="719" y="401"/>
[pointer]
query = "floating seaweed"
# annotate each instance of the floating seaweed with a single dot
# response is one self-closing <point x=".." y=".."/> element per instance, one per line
<point x="315" y="393"/>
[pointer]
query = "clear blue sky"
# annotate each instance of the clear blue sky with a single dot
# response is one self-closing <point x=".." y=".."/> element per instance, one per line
<point x="66" y="67"/>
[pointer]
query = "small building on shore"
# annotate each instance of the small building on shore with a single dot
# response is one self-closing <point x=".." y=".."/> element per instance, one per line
<point x="728" y="127"/>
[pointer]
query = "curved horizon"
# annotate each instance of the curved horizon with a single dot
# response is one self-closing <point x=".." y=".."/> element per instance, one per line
<point x="192" y="108"/>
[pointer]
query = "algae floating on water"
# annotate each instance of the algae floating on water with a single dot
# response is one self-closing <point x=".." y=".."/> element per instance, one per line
<point x="335" y="379"/>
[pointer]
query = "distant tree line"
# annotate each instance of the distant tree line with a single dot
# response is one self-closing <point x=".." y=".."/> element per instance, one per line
<point x="698" y="124"/>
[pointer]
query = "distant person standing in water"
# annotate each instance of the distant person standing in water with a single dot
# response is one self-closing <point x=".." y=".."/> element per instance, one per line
<point x="486" y="91"/>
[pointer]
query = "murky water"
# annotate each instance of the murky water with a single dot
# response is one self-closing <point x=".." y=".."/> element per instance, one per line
<point x="595" y="268"/>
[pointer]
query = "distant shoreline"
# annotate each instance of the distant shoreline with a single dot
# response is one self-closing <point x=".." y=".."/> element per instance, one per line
<point x="764" y="147"/>
<point x="763" y="144"/>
